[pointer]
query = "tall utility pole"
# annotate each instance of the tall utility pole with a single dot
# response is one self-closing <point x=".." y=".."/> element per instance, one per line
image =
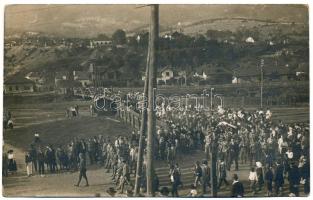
<point x="143" y="128"/>
<point x="262" y="65"/>
<point x="211" y="95"/>
<point x="153" y="43"/>
<point x="213" y="165"/>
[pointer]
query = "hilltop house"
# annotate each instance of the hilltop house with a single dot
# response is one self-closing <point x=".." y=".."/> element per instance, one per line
<point x="18" y="84"/>
<point x="166" y="73"/>
<point x="169" y="75"/>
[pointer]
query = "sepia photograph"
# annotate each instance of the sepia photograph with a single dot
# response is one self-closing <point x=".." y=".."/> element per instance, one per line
<point x="156" y="100"/>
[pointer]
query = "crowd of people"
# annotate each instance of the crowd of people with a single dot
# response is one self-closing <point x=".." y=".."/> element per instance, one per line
<point x="275" y="151"/>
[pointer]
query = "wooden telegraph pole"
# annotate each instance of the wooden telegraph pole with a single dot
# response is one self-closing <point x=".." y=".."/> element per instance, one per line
<point x="213" y="165"/>
<point x="262" y="65"/>
<point x="153" y="43"/>
<point x="143" y="128"/>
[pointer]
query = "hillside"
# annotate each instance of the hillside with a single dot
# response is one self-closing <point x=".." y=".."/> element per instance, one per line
<point x="236" y="24"/>
<point x="89" y="20"/>
<point x="24" y="58"/>
<point x="218" y="42"/>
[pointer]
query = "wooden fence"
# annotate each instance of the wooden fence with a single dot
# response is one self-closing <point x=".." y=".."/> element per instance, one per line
<point x="130" y="117"/>
<point x="133" y="118"/>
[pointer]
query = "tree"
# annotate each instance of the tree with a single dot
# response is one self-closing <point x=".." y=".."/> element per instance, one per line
<point x="132" y="63"/>
<point x="102" y="36"/>
<point x="119" y="37"/>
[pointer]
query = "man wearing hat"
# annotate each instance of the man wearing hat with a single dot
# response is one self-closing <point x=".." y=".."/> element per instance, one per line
<point x="279" y="177"/>
<point x="237" y="189"/>
<point x="222" y="173"/>
<point x="205" y="175"/>
<point x="36" y="138"/>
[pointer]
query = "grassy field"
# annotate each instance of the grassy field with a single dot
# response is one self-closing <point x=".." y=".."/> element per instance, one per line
<point x="62" y="131"/>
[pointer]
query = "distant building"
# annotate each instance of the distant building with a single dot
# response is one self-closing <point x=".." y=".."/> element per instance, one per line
<point x="39" y="81"/>
<point x="166" y="74"/>
<point x="250" y="40"/>
<point x="99" y="43"/>
<point x="18" y="84"/>
<point x="169" y="75"/>
<point x="36" y="77"/>
<point x="103" y="75"/>
<point x="271" y="43"/>
<point x="236" y="80"/>
<point x="60" y="76"/>
<point x="239" y="80"/>
<point x="83" y="77"/>
<point x="302" y="71"/>
<point x="213" y="74"/>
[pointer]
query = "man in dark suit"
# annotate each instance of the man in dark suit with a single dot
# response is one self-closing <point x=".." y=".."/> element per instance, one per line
<point x="33" y="154"/>
<point x="237" y="189"/>
<point x="294" y="179"/>
<point x="279" y="177"/>
<point x="234" y="153"/>
<point x="175" y="180"/>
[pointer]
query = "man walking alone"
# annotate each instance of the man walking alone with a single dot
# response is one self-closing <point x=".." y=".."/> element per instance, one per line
<point x="82" y="170"/>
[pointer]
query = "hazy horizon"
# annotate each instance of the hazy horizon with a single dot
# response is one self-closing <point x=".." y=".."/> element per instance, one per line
<point x="90" y="20"/>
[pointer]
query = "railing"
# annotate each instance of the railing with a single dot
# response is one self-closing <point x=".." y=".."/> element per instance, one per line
<point x="129" y="117"/>
<point x="133" y="118"/>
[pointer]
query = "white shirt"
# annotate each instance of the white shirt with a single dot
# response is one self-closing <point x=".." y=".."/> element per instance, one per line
<point x="289" y="154"/>
<point x="280" y="142"/>
<point x="10" y="156"/>
<point x="268" y="114"/>
<point x="253" y="176"/>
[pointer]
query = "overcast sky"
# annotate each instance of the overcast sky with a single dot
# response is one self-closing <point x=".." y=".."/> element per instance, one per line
<point x="87" y="20"/>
